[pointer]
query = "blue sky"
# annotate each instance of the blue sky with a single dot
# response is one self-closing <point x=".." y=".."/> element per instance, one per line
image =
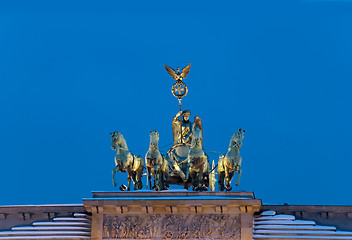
<point x="72" y="72"/>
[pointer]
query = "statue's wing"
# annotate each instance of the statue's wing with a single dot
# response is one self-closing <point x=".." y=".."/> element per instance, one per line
<point x="198" y="123"/>
<point x="185" y="71"/>
<point x="171" y="71"/>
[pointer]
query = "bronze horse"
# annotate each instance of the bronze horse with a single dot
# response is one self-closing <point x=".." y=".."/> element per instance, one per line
<point x="230" y="163"/>
<point x="198" y="160"/>
<point x="125" y="161"/>
<point x="157" y="164"/>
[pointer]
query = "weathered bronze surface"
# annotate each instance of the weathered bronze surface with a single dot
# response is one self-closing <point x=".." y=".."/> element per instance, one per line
<point x="230" y="163"/>
<point x="186" y="163"/>
<point x="125" y="161"/>
<point x="182" y="129"/>
<point x="190" y="161"/>
<point x="156" y="164"/>
<point x="199" y="166"/>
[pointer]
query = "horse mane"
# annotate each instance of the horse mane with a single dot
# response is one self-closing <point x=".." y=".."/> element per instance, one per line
<point x="156" y="143"/>
<point x="194" y="138"/>
<point x="232" y="139"/>
<point x="235" y="137"/>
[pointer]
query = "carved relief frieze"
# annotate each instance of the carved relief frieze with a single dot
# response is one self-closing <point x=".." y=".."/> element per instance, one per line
<point x="209" y="226"/>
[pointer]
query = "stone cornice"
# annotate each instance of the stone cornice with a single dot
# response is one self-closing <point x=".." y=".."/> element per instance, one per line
<point x="172" y="203"/>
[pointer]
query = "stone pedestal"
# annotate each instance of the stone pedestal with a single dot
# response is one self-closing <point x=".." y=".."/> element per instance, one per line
<point x="172" y="215"/>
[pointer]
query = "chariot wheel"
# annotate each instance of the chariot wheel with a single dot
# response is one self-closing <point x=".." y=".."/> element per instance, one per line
<point x="177" y="154"/>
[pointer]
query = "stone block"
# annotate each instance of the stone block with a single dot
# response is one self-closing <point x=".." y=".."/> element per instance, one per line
<point x="172" y="215"/>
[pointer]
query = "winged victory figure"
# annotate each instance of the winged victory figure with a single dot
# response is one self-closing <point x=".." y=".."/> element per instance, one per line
<point x="177" y="75"/>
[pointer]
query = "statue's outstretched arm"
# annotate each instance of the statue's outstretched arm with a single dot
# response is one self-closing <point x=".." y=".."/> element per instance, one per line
<point x="177" y="115"/>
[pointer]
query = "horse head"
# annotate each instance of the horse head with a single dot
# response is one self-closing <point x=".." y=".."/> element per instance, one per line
<point x="154" y="139"/>
<point x="236" y="140"/>
<point x="116" y="138"/>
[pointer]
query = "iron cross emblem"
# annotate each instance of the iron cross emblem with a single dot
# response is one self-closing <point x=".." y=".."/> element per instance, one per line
<point x="179" y="89"/>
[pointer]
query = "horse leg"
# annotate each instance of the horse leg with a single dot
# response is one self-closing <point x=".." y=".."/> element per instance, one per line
<point x="197" y="182"/>
<point x="166" y="178"/>
<point x="133" y="175"/>
<point x="139" y="173"/>
<point x="155" y="177"/>
<point x="128" y="183"/>
<point x="129" y="176"/>
<point x="149" y="178"/>
<point x="156" y="186"/>
<point x="205" y="182"/>
<point x="239" y="176"/>
<point x="114" y="170"/>
<point x="187" y="174"/>
<point x="193" y="176"/>
<point x="160" y="181"/>
<point x="221" y="183"/>
<point x="229" y="179"/>
<point x="226" y="180"/>
<point x="163" y="187"/>
<point x="159" y="177"/>
<point x="221" y="174"/>
<point x="201" y="183"/>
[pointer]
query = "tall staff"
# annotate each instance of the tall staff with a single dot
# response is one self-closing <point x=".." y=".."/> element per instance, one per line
<point x="179" y="88"/>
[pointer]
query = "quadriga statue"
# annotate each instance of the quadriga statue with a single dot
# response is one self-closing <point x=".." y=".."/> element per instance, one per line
<point x="230" y="163"/>
<point x="125" y="161"/>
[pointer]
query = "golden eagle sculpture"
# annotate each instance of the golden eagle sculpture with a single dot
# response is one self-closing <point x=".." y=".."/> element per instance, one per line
<point x="177" y="75"/>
